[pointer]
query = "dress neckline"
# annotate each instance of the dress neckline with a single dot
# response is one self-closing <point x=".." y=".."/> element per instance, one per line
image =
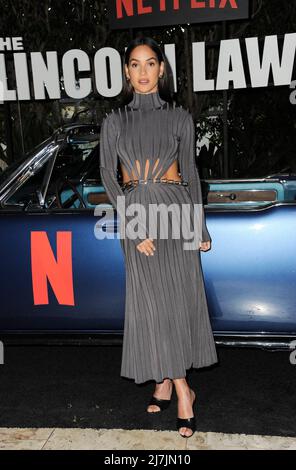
<point x="146" y="101"/>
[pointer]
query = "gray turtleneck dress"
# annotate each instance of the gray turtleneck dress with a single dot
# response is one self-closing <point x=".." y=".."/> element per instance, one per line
<point x="167" y="327"/>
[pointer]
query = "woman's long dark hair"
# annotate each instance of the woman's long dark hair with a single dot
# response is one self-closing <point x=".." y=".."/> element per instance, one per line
<point x="165" y="83"/>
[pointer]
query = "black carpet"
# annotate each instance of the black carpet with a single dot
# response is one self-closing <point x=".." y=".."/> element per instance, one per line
<point x="249" y="391"/>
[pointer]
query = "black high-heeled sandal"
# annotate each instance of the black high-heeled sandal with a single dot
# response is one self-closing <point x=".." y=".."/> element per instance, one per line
<point x="161" y="403"/>
<point x="189" y="423"/>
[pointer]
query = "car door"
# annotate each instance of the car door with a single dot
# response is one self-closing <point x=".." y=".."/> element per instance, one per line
<point x="56" y="275"/>
<point x="250" y="270"/>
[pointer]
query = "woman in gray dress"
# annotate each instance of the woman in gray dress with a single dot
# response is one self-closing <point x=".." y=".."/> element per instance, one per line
<point x="167" y="328"/>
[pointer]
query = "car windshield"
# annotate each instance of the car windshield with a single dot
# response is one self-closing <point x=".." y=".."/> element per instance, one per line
<point x="76" y="161"/>
<point x="17" y="163"/>
<point x="11" y="168"/>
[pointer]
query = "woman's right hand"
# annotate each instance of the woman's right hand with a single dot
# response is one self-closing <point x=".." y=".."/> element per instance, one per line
<point x="205" y="246"/>
<point x="147" y="247"/>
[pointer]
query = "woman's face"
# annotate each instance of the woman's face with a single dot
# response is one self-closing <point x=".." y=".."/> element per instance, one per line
<point x="144" y="69"/>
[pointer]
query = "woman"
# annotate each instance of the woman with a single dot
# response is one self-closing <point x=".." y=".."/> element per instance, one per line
<point x="167" y="328"/>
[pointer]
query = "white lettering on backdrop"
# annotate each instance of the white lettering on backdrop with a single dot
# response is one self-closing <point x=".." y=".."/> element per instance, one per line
<point x="42" y="75"/>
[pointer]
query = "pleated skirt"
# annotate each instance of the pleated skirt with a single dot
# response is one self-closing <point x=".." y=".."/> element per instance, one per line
<point x="167" y="328"/>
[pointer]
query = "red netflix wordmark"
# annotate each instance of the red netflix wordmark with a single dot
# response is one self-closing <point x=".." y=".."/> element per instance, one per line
<point x="213" y="4"/>
<point x="128" y="6"/>
<point x="46" y="267"/>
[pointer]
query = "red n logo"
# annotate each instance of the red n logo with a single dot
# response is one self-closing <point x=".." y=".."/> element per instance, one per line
<point x="45" y="266"/>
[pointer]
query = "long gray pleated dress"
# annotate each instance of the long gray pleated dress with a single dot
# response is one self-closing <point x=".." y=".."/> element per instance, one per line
<point x="167" y="327"/>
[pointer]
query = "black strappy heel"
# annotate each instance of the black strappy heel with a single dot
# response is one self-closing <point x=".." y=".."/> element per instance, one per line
<point x="161" y="403"/>
<point x="189" y="423"/>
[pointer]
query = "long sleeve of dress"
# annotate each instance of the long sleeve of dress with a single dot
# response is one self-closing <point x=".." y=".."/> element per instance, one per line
<point x="189" y="170"/>
<point x="108" y="170"/>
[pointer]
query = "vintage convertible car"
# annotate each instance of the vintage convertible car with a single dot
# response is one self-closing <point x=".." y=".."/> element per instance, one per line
<point x="61" y="282"/>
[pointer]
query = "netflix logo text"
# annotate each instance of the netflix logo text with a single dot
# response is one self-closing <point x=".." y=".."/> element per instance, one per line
<point x="143" y="13"/>
<point x="46" y="268"/>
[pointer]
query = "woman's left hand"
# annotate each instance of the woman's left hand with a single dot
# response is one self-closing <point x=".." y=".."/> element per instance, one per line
<point x="205" y="246"/>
